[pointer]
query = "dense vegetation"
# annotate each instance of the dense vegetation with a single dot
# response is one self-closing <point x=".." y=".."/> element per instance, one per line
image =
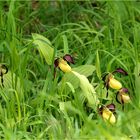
<point x="38" y="101"/>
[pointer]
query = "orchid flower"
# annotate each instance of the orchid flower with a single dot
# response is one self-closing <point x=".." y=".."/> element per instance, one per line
<point x="123" y="97"/>
<point x="62" y="63"/>
<point x="107" y="113"/>
<point x="111" y="82"/>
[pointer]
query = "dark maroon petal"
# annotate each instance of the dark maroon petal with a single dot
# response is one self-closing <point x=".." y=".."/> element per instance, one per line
<point x="107" y="86"/>
<point x="125" y="90"/>
<point x="54" y="74"/>
<point x="120" y="70"/>
<point x="105" y="78"/>
<point x="68" y="58"/>
<point x="107" y="93"/>
<point x="56" y="62"/>
<point x="111" y="107"/>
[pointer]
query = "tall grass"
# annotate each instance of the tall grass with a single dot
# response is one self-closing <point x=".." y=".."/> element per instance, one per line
<point x="34" y="105"/>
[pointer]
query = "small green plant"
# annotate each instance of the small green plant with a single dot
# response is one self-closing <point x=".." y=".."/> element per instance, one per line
<point x="107" y="113"/>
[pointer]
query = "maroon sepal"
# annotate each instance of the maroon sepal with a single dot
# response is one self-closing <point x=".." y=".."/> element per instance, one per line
<point x="120" y="70"/>
<point x="107" y="86"/>
<point x="56" y="62"/>
<point x="68" y="58"/>
<point x="125" y="90"/>
<point x="105" y="78"/>
<point x="111" y="107"/>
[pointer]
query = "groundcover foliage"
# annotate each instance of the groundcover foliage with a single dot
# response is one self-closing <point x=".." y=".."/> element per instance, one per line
<point x="43" y="96"/>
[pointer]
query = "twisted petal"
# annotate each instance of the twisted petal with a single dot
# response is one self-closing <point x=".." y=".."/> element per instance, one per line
<point x="111" y="107"/>
<point x="68" y="58"/>
<point x="56" y="62"/>
<point x="125" y="90"/>
<point x="120" y="70"/>
<point x="105" y="78"/>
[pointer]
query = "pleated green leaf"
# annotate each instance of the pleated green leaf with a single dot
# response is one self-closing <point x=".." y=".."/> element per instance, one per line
<point x="87" y="89"/>
<point x="68" y="107"/>
<point x="9" y="80"/>
<point x="44" y="47"/>
<point x="86" y="70"/>
<point x="11" y="88"/>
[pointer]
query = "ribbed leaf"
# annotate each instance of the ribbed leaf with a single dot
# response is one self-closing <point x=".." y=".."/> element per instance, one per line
<point x="12" y="85"/>
<point x="44" y="47"/>
<point x="71" y="87"/>
<point x="68" y="107"/>
<point x="87" y="89"/>
<point x="7" y="80"/>
<point x="86" y="70"/>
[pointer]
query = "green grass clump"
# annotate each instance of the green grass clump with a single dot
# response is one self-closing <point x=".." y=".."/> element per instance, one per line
<point x="100" y="35"/>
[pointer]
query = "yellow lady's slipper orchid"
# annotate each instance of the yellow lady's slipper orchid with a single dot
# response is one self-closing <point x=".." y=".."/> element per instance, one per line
<point x="115" y="84"/>
<point x="108" y="115"/>
<point x="63" y="65"/>
<point x="126" y="98"/>
<point x="122" y="96"/>
<point x="110" y="81"/>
